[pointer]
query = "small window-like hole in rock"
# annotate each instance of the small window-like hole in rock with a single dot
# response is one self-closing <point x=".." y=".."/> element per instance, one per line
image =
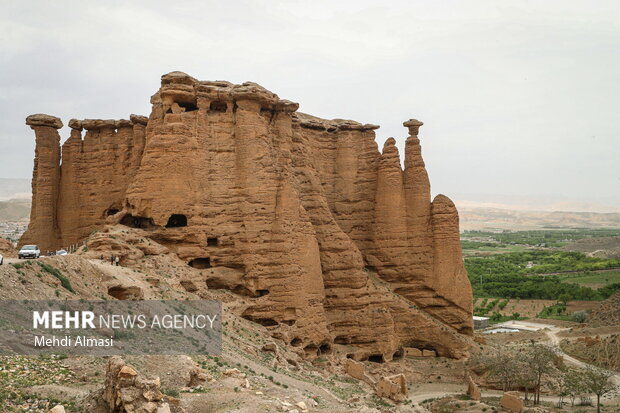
<point x="200" y="263"/>
<point x="218" y="106"/>
<point x="125" y="293"/>
<point x="111" y="211"/>
<point x="296" y="342"/>
<point x="398" y="354"/>
<point x="370" y="268"/>
<point x="376" y="358"/>
<point x="324" y="348"/>
<point x="176" y="220"/>
<point x="289" y="322"/>
<point x="169" y="110"/>
<point x="189" y="106"/>
<point x="262" y="293"/>
<point x="310" y="350"/>
<point x="267" y="322"/>
<point x="137" y="222"/>
<point x="349" y="356"/>
<point x="212" y="242"/>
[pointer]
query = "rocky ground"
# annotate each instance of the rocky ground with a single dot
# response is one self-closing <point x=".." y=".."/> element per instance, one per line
<point x="254" y="373"/>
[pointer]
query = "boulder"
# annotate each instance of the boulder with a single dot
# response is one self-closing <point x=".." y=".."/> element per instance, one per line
<point x="472" y="389"/>
<point x="512" y="402"/>
<point x="125" y="390"/>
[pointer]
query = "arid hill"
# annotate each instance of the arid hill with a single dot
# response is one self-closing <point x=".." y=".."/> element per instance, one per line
<point x="331" y="241"/>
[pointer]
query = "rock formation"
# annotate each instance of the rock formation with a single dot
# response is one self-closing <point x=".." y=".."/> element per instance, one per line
<point x="333" y="241"/>
<point x="125" y="391"/>
<point x="511" y="401"/>
<point x="6" y="248"/>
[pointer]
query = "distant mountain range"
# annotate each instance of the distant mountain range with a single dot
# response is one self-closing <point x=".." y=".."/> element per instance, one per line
<point x="15" y="210"/>
<point x="472" y="218"/>
<point x="476" y="211"/>
<point x="14" y="189"/>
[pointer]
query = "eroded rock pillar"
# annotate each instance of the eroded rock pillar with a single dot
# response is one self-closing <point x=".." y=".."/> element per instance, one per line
<point x="45" y="182"/>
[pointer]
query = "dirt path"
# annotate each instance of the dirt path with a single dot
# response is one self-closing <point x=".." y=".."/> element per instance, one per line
<point x="304" y="386"/>
<point x="555" y="341"/>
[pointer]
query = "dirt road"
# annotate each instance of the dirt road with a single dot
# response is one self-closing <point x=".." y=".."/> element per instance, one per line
<point x="555" y="342"/>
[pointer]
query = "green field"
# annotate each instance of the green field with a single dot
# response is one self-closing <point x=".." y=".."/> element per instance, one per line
<point x="592" y="279"/>
<point x="538" y="238"/>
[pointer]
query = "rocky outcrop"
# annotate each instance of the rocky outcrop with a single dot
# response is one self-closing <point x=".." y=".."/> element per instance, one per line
<point x="473" y="391"/>
<point x="333" y="242"/>
<point x="511" y="401"/>
<point x="393" y="387"/>
<point x="125" y="390"/>
<point x="6" y="248"/>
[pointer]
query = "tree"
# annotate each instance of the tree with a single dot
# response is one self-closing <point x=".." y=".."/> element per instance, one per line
<point x="540" y="360"/>
<point x="564" y="298"/>
<point x="574" y="385"/>
<point x="598" y="381"/>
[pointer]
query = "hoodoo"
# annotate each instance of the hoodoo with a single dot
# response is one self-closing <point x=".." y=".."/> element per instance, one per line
<point x="332" y="241"/>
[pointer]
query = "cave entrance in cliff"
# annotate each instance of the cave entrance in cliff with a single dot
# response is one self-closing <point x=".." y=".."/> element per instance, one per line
<point x="200" y="263"/>
<point x="218" y="106"/>
<point x="137" y="222"/>
<point x="111" y="211"/>
<point x="376" y="358"/>
<point x="311" y="350"/>
<point x="188" y="106"/>
<point x="398" y="354"/>
<point x="265" y="322"/>
<point x="176" y="221"/>
<point x="262" y="293"/>
<point x="212" y="242"/>
<point x="324" y="348"/>
<point x="296" y="342"/>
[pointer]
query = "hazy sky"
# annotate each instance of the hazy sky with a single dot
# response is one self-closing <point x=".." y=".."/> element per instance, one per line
<point x="517" y="97"/>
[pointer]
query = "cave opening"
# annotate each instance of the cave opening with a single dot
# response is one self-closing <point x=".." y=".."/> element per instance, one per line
<point x="218" y="106"/>
<point x="376" y="358"/>
<point x="398" y="354"/>
<point x="200" y="263"/>
<point x="262" y="293"/>
<point x="310" y="350"/>
<point x="137" y="222"/>
<point x="325" y="348"/>
<point x="212" y="242"/>
<point x="112" y="211"/>
<point x="296" y="342"/>
<point x="188" y="106"/>
<point x="266" y="322"/>
<point x="176" y="221"/>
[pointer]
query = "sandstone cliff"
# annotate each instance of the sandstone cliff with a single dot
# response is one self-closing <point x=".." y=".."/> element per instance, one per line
<point x="332" y="240"/>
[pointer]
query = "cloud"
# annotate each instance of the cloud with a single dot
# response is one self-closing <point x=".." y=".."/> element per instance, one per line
<point x="518" y="97"/>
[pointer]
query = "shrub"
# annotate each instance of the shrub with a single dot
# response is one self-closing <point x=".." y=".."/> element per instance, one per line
<point x="64" y="281"/>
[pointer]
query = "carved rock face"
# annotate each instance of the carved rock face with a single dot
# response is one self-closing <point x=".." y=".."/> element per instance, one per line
<point x="333" y="242"/>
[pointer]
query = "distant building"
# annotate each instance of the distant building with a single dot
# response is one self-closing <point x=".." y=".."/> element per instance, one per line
<point x="481" y="322"/>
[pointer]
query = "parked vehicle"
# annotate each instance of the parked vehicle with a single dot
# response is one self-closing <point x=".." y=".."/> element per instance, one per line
<point x="61" y="252"/>
<point x="29" y="251"/>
